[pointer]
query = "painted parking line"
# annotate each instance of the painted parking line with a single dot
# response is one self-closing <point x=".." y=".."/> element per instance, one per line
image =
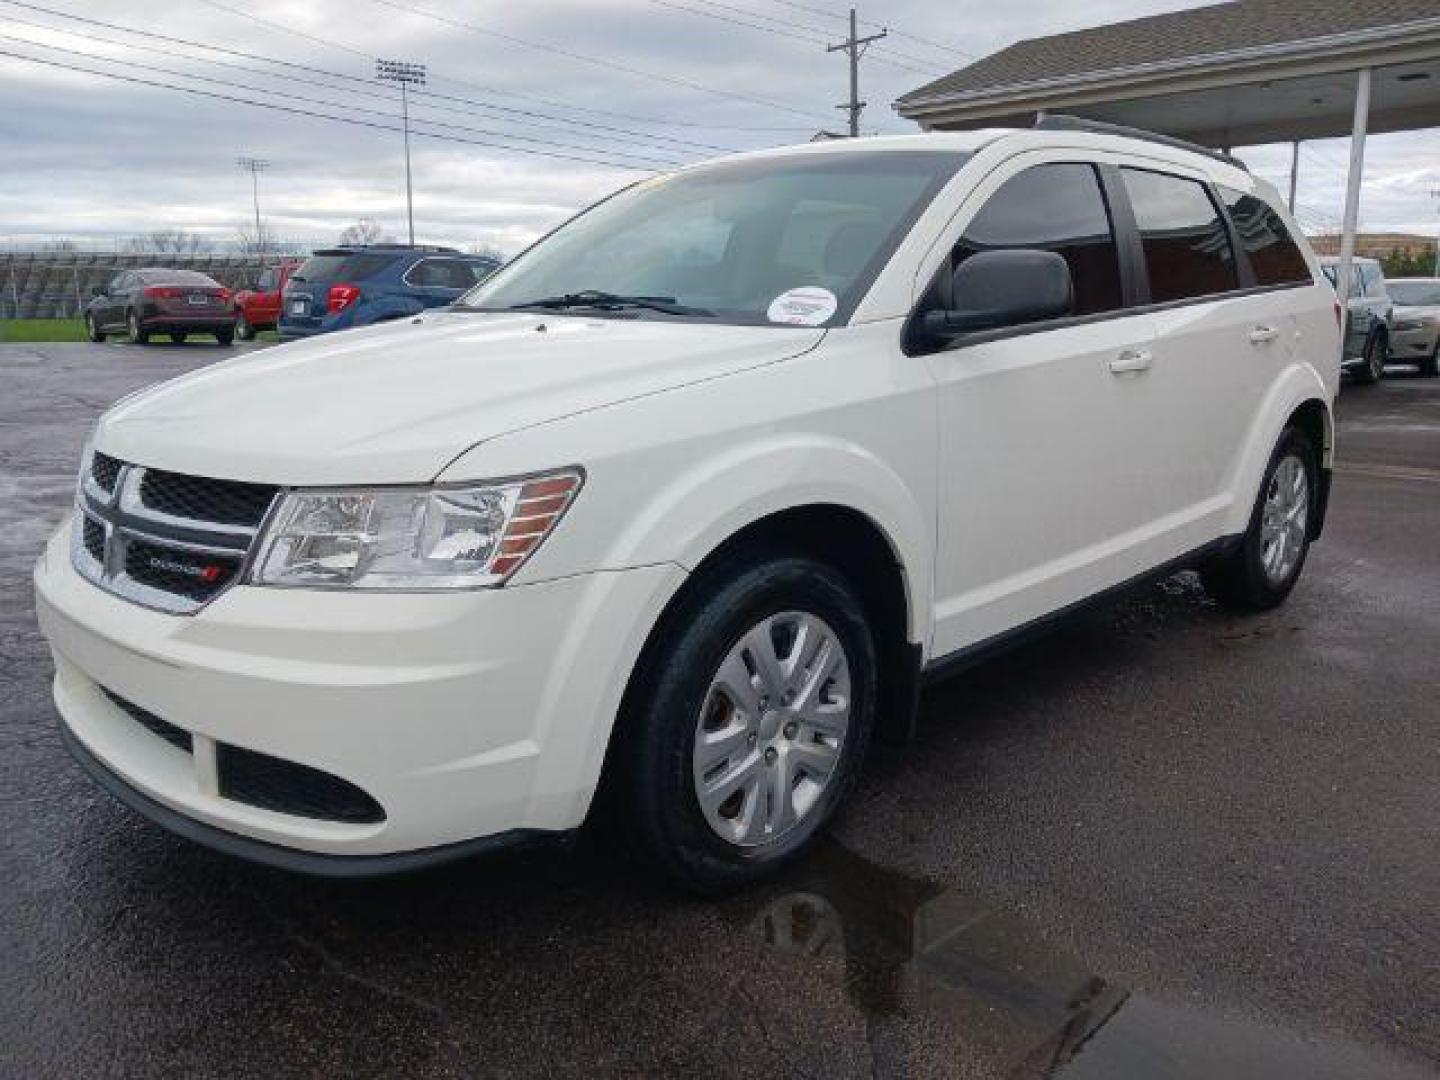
<point x="1392" y="472"/>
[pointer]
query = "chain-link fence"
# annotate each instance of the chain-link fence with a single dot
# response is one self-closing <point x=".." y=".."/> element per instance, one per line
<point x="58" y="285"/>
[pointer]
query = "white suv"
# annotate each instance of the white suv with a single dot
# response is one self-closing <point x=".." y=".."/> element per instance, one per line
<point x="679" y="510"/>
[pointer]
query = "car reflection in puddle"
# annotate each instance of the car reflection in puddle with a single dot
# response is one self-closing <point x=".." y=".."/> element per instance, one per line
<point x="917" y="957"/>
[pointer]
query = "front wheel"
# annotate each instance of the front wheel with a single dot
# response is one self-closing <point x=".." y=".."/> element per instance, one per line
<point x="243" y="330"/>
<point x="1430" y="367"/>
<point x="92" y="329"/>
<point x="134" y="332"/>
<point x="177" y="337"/>
<point x="1260" y="572"/>
<point x="747" y="724"/>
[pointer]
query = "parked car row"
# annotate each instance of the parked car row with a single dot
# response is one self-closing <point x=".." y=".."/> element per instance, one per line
<point x="335" y="289"/>
<point x="1395" y="322"/>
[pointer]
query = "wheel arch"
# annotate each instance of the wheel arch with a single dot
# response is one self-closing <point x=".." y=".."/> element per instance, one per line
<point x="1298" y="398"/>
<point x="858" y="547"/>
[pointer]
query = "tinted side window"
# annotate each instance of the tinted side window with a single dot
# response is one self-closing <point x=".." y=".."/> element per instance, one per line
<point x="1054" y="208"/>
<point x="441" y="273"/>
<point x="1375" y="283"/>
<point x="1274" y="256"/>
<point x="1187" y="251"/>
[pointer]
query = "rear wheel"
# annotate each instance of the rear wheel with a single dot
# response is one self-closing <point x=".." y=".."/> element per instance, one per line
<point x="178" y="337"/>
<point x="1261" y="571"/>
<point x="226" y="336"/>
<point x="1372" y="367"/>
<point x="92" y="329"/>
<point x="747" y="724"/>
<point x="134" y="332"/>
<point x="243" y="330"/>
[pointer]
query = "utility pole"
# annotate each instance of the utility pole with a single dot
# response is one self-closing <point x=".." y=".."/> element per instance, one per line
<point x="407" y="75"/>
<point x="854" y="45"/>
<point x="1294" y="171"/>
<point x="255" y="166"/>
<point x="1435" y="192"/>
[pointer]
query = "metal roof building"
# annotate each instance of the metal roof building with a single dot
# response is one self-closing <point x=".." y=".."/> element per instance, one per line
<point x="1241" y="73"/>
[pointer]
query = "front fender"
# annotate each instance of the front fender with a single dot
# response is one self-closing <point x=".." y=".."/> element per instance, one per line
<point x="1298" y="384"/>
<point x="702" y="507"/>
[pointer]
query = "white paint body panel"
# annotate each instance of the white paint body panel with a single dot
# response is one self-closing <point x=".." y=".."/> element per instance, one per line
<point x="1010" y="478"/>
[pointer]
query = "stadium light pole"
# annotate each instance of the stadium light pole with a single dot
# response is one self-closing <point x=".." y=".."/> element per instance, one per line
<point x="407" y="75"/>
<point x="255" y="166"/>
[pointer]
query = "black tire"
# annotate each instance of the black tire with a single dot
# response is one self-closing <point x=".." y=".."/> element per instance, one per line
<point x="1238" y="579"/>
<point x="226" y="336"/>
<point x="1372" y="367"/>
<point x="134" y="332"/>
<point x="243" y="330"/>
<point x="1430" y="368"/>
<point x="653" y="805"/>
<point x="178" y="337"/>
<point x="92" y="330"/>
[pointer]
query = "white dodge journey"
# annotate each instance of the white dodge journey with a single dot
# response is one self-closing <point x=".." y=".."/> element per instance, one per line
<point x="674" y="515"/>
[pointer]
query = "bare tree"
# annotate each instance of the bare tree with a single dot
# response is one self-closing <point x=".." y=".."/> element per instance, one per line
<point x="169" y="242"/>
<point x="248" y="242"/>
<point x="487" y="251"/>
<point x="365" y="231"/>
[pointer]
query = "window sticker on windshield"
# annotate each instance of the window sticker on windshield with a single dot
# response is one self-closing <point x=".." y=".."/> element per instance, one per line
<point x="809" y="306"/>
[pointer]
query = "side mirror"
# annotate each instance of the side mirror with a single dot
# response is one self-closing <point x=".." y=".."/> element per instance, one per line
<point x="992" y="289"/>
<point x="97" y="291"/>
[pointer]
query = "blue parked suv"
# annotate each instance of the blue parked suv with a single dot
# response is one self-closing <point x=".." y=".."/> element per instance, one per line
<point x="341" y="287"/>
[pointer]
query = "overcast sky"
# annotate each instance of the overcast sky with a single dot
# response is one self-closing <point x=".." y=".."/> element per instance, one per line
<point x="92" y="158"/>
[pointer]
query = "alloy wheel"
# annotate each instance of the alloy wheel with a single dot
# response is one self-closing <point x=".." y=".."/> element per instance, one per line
<point x="1284" y="519"/>
<point x="772" y="728"/>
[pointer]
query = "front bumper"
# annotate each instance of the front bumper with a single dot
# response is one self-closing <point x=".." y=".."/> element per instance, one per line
<point x="471" y="718"/>
<point x="1413" y="345"/>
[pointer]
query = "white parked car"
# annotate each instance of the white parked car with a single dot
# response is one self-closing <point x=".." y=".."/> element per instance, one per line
<point x="677" y="512"/>
<point x="1415" y="326"/>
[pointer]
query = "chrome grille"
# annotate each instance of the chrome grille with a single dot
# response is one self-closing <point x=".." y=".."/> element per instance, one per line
<point x="165" y="540"/>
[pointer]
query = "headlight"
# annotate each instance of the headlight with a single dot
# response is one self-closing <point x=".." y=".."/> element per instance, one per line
<point x="460" y="537"/>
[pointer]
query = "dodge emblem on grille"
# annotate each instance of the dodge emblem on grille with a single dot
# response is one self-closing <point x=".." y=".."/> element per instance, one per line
<point x="207" y="574"/>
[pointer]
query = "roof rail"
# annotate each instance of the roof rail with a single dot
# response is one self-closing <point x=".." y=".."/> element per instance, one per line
<point x="1061" y="122"/>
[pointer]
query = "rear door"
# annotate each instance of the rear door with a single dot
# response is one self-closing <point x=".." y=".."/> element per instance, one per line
<point x="1216" y="349"/>
<point x="110" y="311"/>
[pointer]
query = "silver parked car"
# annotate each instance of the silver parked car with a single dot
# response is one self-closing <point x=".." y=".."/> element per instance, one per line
<point x="1415" y="325"/>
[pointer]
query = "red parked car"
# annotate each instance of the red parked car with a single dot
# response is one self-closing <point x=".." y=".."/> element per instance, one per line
<point x="259" y="308"/>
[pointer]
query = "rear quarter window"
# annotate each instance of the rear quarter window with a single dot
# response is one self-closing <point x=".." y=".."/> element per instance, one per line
<point x="1274" y="256"/>
<point x="343" y="267"/>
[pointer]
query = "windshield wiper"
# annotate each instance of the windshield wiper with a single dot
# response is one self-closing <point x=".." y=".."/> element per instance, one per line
<point x="604" y="301"/>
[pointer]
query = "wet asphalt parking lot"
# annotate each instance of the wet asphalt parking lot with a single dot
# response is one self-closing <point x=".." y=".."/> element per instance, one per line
<point x="1162" y="842"/>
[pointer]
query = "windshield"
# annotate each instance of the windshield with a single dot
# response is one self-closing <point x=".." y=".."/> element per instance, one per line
<point x="1415" y="293"/>
<point x="793" y="240"/>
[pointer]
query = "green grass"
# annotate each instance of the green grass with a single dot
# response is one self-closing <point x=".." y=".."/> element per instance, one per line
<point x="18" y="330"/>
<point x="42" y="330"/>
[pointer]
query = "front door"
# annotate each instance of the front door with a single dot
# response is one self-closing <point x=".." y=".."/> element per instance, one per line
<point x="1044" y="471"/>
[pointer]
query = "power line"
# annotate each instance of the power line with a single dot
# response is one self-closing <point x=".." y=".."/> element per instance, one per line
<point x="152" y="34"/>
<point x="796" y="31"/>
<point x="588" y="59"/>
<point x="490" y="133"/>
<point x="295" y="111"/>
<point x="832" y="14"/>
<point x="367" y="89"/>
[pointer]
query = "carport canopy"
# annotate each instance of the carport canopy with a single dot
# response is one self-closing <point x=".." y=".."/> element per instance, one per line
<point x="1242" y="73"/>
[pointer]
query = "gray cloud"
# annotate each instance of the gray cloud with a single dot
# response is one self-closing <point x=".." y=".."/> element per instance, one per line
<point x="89" y="157"/>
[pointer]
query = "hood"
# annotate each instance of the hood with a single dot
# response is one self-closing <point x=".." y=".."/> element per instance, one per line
<point x="1416" y="311"/>
<point x="396" y="403"/>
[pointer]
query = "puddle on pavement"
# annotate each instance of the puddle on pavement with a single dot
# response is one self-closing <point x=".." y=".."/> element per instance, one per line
<point x="908" y="946"/>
